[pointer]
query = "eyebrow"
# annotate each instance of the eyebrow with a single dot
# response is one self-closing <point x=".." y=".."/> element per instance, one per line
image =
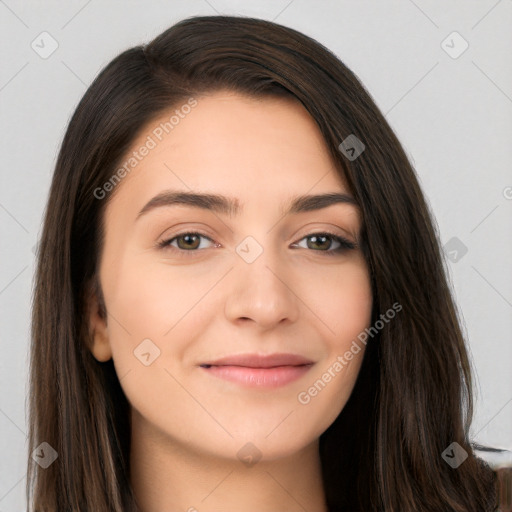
<point x="231" y="206"/>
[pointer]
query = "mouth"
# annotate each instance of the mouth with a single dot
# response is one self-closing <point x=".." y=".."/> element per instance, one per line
<point x="260" y="371"/>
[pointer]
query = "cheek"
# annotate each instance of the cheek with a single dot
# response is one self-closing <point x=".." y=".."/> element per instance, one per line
<point x="341" y="298"/>
<point x="344" y="307"/>
<point x="150" y="296"/>
<point x="155" y="315"/>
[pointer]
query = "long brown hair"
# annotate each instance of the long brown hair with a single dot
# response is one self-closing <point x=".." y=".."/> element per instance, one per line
<point x="413" y="396"/>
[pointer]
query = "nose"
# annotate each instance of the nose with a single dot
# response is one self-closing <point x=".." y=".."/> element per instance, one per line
<point x="262" y="292"/>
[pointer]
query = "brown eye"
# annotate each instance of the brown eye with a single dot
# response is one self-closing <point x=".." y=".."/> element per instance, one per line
<point x="185" y="242"/>
<point x="319" y="242"/>
<point x="323" y="243"/>
<point x="190" y="241"/>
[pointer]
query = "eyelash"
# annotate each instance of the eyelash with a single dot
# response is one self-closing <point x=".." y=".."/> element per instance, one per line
<point x="345" y="245"/>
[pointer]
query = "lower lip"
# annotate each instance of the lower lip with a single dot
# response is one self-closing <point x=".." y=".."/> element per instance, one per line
<point x="259" y="377"/>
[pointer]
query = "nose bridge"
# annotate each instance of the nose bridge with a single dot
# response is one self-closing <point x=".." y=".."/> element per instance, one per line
<point x="260" y="290"/>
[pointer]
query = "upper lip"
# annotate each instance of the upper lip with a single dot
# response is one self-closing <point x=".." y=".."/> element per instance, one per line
<point x="260" y="360"/>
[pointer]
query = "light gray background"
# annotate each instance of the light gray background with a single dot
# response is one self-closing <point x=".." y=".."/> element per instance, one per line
<point x="453" y="116"/>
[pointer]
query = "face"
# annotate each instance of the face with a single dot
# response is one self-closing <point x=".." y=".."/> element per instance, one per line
<point x="188" y="281"/>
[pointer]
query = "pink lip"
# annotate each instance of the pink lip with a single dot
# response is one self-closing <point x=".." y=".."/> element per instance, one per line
<point x="260" y="360"/>
<point x="263" y="371"/>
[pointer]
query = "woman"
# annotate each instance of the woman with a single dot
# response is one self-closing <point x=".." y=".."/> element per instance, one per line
<point x="240" y="299"/>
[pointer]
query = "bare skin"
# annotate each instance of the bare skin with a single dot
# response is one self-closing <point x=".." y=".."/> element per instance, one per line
<point x="199" y="299"/>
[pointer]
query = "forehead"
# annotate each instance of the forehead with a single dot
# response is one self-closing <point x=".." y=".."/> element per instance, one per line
<point x="252" y="147"/>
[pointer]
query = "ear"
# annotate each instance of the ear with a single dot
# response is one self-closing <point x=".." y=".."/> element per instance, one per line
<point x="98" y="329"/>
